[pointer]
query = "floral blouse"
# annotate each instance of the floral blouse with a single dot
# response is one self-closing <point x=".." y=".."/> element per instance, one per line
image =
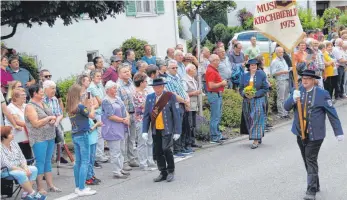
<point x="139" y="99"/>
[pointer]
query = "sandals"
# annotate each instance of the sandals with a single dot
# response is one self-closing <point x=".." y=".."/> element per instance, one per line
<point x="54" y="189"/>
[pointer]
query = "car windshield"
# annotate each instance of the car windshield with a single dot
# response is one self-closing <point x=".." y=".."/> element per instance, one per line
<point x="245" y="36"/>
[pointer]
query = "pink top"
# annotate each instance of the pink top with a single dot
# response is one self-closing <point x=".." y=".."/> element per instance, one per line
<point x="5" y="78"/>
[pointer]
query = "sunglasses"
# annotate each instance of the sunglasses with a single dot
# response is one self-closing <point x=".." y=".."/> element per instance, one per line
<point x="48" y="76"/>
<point x="173" y="67"/>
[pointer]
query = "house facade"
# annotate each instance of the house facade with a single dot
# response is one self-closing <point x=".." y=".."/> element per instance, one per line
<point x="64" y="50"/>
<point x="317" y="7"/>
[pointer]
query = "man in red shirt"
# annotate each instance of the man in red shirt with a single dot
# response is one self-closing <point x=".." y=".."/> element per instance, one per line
<point x="215" y="86"/>
<point x="111" y="73"/>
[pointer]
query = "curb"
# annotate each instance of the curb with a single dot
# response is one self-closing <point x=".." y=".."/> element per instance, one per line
<point x="245" y="137"/>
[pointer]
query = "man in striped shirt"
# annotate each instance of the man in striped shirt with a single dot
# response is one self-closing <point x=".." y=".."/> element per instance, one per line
<point x="176" y="86"/>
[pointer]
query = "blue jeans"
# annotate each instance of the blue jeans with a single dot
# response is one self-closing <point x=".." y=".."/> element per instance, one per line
<point x="43" y="152"/>
<point x="20" y="176"/>
<point x="81" y="146"/>
<point x="92" y="150"/>
<point x="215" y="101"/>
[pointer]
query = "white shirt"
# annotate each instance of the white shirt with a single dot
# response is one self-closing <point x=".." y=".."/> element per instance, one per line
<point x="19" y="136"/>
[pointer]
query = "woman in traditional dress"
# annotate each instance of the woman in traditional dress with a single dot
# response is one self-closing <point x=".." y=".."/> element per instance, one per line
<point x="253" y="107"/>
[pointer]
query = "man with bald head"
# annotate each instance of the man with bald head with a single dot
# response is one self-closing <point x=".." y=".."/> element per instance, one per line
<point x="215" y="87"/>
<point x="170" y="54"/>
<point x="280" y="70"/>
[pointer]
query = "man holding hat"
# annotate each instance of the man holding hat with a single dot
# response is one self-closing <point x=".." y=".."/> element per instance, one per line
<point x="316" y="104"/>
<point x="162" y="113"/>
<point x="111" y="73"/>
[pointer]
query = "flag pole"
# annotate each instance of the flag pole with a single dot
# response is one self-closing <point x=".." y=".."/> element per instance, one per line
<point x="298" y="103"/>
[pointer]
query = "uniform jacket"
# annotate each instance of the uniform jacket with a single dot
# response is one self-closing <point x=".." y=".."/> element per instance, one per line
<point x="260" y="83"/>
<point x="171" y="116"/>
<point x="321" y="105"/>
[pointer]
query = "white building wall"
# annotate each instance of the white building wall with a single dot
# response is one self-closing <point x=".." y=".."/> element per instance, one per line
<point x="63" y="49"/>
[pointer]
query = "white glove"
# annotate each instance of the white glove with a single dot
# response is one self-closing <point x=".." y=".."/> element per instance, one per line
<point x="296" y="95"/>
<point x="340" y="138"/>
<point x="145" y="136"/>
<point x="176" y="136"/>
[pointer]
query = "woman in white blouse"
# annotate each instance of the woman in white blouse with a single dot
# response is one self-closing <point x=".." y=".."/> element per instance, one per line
<point x="16" y="108"/>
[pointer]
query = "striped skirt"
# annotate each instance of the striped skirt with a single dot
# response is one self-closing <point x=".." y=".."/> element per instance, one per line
<point x="254" y="117"/>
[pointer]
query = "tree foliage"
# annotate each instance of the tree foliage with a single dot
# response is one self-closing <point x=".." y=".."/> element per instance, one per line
<point x="342" y="21"/>
<point x="213" y="12"/>
<point x="309" y="21"/>
<point x="331" y="14"/>
<point x="14" y="13"/>
<point x="136" y="45"/>
<point x="245" y="18"/>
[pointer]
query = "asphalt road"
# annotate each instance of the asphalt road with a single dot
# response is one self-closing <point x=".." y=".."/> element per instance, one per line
<point x="274" y="171"/>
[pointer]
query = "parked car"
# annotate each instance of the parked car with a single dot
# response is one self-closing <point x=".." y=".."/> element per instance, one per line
<point x="262" y="41"/>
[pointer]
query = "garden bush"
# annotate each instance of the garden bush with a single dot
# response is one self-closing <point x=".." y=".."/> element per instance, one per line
<point x="202" y="132"/>
<point x="29" y="64"/>
<point x="136" y="45"/>
<point x="64" y="85"/>
<point x="232" y="109"/>
<point x="272" y="97"/>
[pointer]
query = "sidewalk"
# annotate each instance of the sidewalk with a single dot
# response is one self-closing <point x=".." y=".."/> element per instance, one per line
<point x="65" y="180"/>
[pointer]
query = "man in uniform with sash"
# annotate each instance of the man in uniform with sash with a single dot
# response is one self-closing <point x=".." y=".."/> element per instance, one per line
<point x="316" y="104"/>
<point x="162" y="114"/>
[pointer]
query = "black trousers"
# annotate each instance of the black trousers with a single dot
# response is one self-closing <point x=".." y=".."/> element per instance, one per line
<point x="26" y="150"/>
<point x="186" y="131"/>
<point x="309" y="152"/>
<point x="179" y="144"/>
<point x="192" y="124"/>
<point x="330" y="84"/>
<point x="340" y="81"/>
<point x="163" y="152"/>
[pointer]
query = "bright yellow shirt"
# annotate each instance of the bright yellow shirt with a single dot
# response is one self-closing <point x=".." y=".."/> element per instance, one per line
<point x="329" y="70"/>
<point x="251" y="83"/>
<point x="159" y="122"/>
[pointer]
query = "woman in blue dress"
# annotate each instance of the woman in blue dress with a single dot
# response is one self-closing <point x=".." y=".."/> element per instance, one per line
<point x="253" y="119"/>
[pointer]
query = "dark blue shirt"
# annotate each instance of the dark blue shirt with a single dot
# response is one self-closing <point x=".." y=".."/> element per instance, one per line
<point x="80" y="121"/>
<point x="21" y="75"/>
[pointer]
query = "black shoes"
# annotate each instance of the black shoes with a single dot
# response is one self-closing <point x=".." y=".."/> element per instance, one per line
<point x="196" y="146"/>
<point x="97" y="165"/>
<point x="160" y="178"/>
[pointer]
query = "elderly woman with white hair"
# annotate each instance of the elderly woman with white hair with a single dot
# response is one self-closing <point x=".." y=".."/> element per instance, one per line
<point x="116" y="124"/>
<point x="193" y="92"/>
<point x="49" y="89"/>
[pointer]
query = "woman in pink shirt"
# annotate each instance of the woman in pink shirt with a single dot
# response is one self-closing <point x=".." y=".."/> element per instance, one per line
<point x="6" y="77"/>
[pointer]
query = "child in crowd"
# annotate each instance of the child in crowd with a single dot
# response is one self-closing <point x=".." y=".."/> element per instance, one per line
<point x="93" y="138"/>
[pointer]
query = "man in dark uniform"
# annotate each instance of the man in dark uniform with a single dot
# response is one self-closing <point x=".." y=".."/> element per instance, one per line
<point x="316" y="104"/>
<point x="162" y="113"/>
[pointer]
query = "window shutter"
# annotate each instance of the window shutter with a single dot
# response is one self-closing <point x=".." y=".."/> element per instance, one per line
<point x="131" y="8"/>
<point x="160" y="6"/>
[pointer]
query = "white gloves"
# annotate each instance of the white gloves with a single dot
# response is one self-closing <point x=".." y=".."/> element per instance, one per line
<point x="340" y="138"/>
<point x="296" y="95"/>
<point x="176" y="136"/>
<point x="145" y="136"/>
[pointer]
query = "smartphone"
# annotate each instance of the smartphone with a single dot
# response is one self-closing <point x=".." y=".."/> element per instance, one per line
<point x="88" y="95"/>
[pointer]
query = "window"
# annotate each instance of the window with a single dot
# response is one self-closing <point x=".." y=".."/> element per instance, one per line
<point x="261" y="37"/>
<point x="92" y="54"/>
<point x="144" y="8"/>
<point x="245" y="36"/>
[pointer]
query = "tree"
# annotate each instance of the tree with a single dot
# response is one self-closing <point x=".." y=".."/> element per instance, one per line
<point x="245" y="18"/>
<point x="330" y="16"/>
<point x="342" y="21"/>
<point x="309" y="21"/>
<point x="14" y="13"/>
<point x="213" y="12"/>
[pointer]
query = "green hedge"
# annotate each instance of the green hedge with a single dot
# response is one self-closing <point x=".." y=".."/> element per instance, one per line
<point x="273" y="97"/>
<point x="64" y="85"/>
<point x="136" y="45"/>
<point x="30" y="64"/>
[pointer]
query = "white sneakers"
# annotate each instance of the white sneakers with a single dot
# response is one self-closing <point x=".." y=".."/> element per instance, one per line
<point x="85" y="192"/>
